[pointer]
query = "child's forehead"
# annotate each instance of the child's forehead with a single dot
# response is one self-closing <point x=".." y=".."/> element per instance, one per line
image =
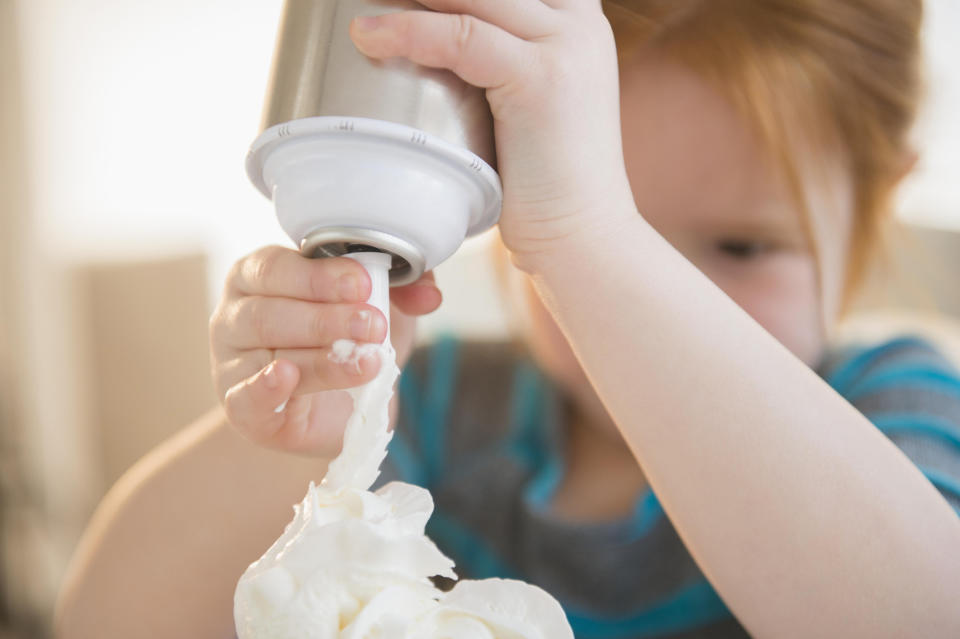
<point x="691" y="155"/>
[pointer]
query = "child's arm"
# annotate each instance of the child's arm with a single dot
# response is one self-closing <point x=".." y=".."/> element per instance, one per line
<point x="163" y="553"/>
<point x="805" y="518"/>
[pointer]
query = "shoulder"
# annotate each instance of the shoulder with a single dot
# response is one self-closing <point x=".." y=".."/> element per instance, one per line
<point x="902" y="374"/>
<point x="845" y="366"/>
<point x="911" y="392"/>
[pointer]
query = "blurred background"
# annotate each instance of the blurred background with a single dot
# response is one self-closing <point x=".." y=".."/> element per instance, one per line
<point x="124" y="125"/>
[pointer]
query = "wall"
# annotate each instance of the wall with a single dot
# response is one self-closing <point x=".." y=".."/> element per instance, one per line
<point x="930" y="196"/>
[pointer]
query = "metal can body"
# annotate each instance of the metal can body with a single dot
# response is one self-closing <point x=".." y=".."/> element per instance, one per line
<point x="317" y="71"/>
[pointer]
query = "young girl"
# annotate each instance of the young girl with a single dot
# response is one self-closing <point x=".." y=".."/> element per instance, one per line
<point x="683" y="453"/>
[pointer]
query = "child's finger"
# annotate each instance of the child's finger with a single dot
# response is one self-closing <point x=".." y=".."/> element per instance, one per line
<point x="482" y="54"/>
<point x="321" y="370"/>
<point x="318" y="369"/>
<point x="275" y="322"/>
<point x="419" y="298"/>
<point x="275" y="271"/>
<point x="252" y="404"/>
<point x="525" y="19"/>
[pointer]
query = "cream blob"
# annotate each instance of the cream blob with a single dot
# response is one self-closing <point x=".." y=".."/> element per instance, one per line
<point x="356" y="564"/>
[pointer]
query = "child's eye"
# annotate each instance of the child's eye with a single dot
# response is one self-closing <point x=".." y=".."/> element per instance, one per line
<point x="742" y="249"/>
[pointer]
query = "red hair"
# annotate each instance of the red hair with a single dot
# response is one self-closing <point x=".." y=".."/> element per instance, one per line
<point x="844" y="72"/>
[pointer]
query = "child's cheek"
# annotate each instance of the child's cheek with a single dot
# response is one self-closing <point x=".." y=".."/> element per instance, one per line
<point x="783" y="296"/>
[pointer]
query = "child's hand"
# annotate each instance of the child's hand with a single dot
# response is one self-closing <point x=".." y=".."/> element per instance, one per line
<point x="550" y="71"/>
<point x="270" y="338"/>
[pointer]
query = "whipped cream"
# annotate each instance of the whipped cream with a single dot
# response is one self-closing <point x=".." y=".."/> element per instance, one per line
<point x="356" y="564"/>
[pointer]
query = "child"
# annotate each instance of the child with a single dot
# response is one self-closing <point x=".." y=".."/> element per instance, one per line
<point x="668" y="463"/>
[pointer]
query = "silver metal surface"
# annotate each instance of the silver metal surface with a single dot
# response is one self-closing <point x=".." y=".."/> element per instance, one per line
<point x="317" y="71"/>
<point x="408" y="262"/>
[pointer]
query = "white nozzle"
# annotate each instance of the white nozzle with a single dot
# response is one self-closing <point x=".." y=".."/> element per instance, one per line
<point x="377" y="265"/>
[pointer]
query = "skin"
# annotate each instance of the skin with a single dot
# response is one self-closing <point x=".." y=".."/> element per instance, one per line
<point x="271" y="338"/>
<point x="740" y="228"/>
<point x="787" y="497"/>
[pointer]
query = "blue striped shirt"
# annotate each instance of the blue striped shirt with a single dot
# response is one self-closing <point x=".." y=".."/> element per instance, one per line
<point x="483" y="429"/>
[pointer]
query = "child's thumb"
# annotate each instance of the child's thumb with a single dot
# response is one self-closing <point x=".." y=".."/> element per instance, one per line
<point x="419" y="298"/>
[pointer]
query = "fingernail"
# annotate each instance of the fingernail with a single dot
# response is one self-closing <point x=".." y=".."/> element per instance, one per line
<point x="349" y="288"/>
<point x="360" y="325"/>
<point x="271" y="377"/>
<point x="367" y="23"/>
<point x="362" y="363"/>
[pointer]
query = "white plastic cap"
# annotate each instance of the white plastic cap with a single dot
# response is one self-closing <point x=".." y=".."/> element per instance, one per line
<point x="343" y="173"/>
